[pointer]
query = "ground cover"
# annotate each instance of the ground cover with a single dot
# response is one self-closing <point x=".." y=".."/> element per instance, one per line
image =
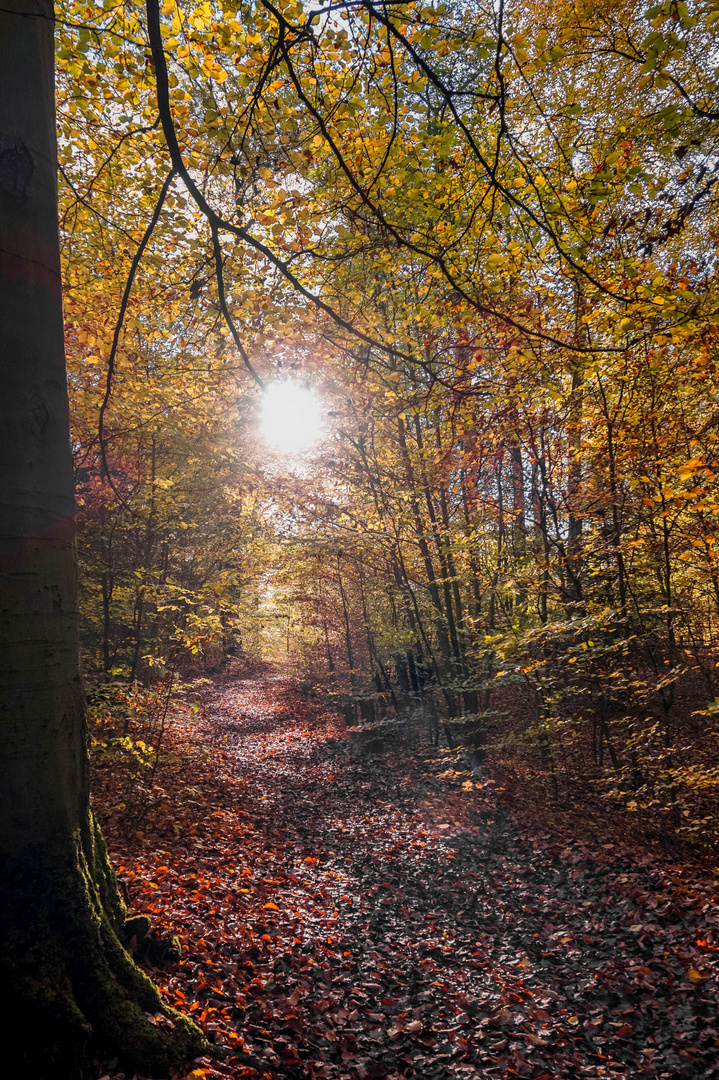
<point x="349" y="916"/>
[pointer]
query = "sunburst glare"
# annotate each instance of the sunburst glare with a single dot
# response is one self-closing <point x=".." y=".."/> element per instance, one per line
<point x="291" y="419"/>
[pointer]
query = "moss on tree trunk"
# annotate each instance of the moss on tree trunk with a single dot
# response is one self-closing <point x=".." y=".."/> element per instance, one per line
<point x="71" y="991"/>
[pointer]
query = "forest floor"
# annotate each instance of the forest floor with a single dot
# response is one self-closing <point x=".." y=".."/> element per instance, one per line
<point x="347" y="917"/>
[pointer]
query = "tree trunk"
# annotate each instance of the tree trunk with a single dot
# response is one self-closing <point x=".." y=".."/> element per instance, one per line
<point x="348" y="629"/>
<point x="65" y="978"/>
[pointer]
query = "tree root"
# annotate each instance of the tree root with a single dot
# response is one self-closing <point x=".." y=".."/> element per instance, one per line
<point x="65" y="977"/>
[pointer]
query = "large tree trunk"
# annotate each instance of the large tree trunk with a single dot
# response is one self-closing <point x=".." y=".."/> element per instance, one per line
<point x="68" y="987"/>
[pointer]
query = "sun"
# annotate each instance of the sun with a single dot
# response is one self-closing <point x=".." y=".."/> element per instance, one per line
<point x="291" y="419"/>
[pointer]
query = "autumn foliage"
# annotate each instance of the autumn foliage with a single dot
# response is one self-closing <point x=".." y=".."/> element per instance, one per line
<point x="488" y="237"/>
<point x="406" y="746"/>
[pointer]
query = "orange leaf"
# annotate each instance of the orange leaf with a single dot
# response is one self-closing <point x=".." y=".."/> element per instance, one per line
<point x="271" y="907"/>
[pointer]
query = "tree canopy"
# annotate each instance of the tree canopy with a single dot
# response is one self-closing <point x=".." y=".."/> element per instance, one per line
<point x="487" y="235"/>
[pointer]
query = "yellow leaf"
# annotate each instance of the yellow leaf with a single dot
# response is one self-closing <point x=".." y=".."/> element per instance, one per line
<point x="694" y="975"/>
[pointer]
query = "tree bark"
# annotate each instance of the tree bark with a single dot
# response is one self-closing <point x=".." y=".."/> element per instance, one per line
<point x="65" y="978"/>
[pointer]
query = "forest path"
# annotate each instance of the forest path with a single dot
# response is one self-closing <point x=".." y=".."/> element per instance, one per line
<point x="351" y="918"/>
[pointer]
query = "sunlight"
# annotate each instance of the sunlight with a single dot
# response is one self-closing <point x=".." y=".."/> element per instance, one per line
<point x="291" y="417"/>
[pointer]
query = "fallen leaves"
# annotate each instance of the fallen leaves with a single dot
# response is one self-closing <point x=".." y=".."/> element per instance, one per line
<point x="326" y="935"/>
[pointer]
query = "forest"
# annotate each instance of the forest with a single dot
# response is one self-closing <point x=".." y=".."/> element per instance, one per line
<point x="445" y="668"/>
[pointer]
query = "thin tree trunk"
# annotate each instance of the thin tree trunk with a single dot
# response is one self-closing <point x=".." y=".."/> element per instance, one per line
<point x="422" y="542"/>
<point x="439" y="547"/>
<point x="574" y="468"/>
<point x="473" y="565"/>
<point x="348" y="632"/>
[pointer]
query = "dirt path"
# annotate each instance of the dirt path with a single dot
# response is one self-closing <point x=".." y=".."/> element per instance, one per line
<point x="351" y="918"/>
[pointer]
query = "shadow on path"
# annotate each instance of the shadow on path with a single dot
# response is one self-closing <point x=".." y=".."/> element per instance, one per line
<point x="362" y="927"/>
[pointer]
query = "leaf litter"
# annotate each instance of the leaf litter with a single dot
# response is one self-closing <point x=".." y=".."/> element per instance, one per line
<point x="344" y="917"/>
